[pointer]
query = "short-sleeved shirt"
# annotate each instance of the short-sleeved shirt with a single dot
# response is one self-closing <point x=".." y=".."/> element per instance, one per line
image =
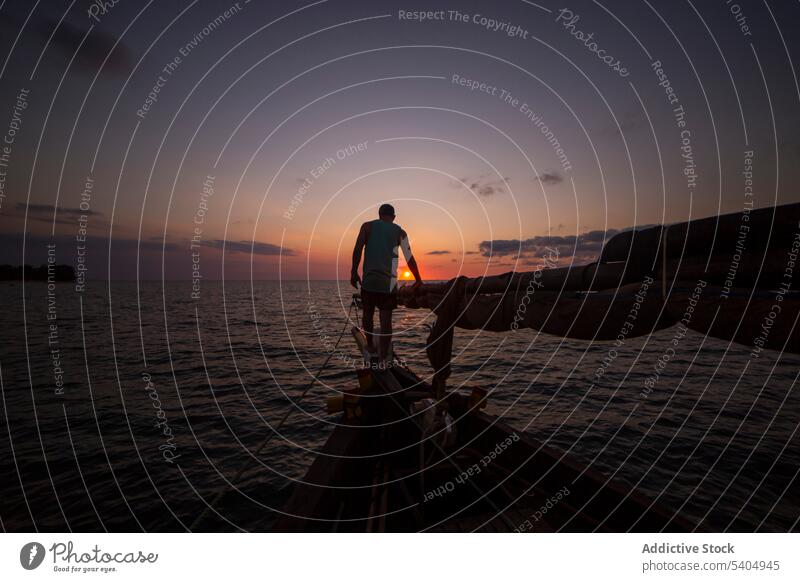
<point x="380" y="257"/>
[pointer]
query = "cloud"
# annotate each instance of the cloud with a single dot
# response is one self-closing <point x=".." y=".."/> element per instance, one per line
<point x="11" y="244"/>
<point x="531" y="261"/>
<point x="249" y="247"/>
<point x="550" y="178"/>
<point x="630" y="122"/>
<point x="50" y="208"/>
<point x="66" y="38"/>
<point x="582" y="247"/>
<point x="94" y="50"/>
<point x="45" y="213"/>
<point x="438" y="253"/>
<point x="129" y="258"/>
<point x="484" y="185"/>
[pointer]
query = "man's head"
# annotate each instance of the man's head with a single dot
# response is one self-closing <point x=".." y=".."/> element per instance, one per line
<point x="386" y="212"/>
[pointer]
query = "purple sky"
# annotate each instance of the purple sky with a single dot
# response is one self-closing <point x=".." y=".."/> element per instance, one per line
<point x="301" y="118"/>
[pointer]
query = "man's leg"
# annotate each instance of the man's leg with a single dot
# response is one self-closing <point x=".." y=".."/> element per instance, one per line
<point x="367" y="322"/>
<point x="386" y="334"/>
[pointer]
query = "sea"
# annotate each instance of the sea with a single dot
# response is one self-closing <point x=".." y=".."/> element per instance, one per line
<point x="156" y="406"/>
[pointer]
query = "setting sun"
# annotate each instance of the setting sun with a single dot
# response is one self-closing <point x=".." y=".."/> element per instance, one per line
<point x="406" y="275"/>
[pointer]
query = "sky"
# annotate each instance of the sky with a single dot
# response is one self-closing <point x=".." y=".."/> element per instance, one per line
<point x="165" y="140"/>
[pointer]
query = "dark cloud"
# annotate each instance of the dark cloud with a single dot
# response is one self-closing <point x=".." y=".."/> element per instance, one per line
<point x="582" y="247"/>
<point x="48" y="209"/>
<point x="44" y="213"/>
<point x="629" y="123"/>
<point x="249" y="247"/>
<point x="94" y="50"/>
<point x="531" y="261"/>
<point x="154" y="243"/>
<point x="67" y="37"/>
<point x="11" y="243"/>
<point x="550" y="178"/>
<point x="485" y="185"/>
<point x="438" y="253"/>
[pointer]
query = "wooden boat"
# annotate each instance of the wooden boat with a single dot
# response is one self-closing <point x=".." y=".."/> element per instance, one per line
<point x="382" y="469"/>
<point x="392" y="464"/>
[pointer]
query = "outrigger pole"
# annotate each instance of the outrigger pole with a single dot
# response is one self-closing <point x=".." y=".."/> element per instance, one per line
<point x="731" y="277"/>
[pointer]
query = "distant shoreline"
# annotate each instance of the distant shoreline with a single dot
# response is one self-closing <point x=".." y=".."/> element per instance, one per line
<point x="50" y="273"/>
<point x="346" y="281"/>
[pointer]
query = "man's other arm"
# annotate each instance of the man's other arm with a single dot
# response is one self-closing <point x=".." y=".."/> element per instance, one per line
<point x="409" y="256"/>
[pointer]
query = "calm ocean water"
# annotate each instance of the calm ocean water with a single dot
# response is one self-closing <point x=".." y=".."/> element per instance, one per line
<point x="164" y="398"/>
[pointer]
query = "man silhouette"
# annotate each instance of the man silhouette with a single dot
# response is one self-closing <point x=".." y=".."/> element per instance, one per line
<point x="381" y="238"/>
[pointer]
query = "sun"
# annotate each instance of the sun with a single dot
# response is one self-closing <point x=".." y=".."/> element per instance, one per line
<point x="406" y="276"/>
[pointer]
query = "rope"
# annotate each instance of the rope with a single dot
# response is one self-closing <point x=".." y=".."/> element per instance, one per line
<point x="664" y="231"/>
<point x="280" y="424"/>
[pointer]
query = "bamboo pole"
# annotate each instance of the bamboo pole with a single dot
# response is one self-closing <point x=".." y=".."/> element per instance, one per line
<point x="752" y="270"/>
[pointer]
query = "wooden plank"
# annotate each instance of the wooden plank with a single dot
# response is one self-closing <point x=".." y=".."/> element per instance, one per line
<point x="314" y="497"/>
<point x="592" y="499"/>
<point x="599" y="499"/>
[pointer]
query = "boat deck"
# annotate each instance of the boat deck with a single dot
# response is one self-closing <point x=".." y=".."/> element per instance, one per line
<point x="382" y="471"/>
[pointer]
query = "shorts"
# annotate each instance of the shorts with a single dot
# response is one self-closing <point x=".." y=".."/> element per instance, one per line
<point x="383" y="301"/>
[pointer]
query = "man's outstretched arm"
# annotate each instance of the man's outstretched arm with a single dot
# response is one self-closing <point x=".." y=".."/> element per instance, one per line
<point x="412" y="266"/>
<point x="357" y="250"/>
<point x="409" y="256"/>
